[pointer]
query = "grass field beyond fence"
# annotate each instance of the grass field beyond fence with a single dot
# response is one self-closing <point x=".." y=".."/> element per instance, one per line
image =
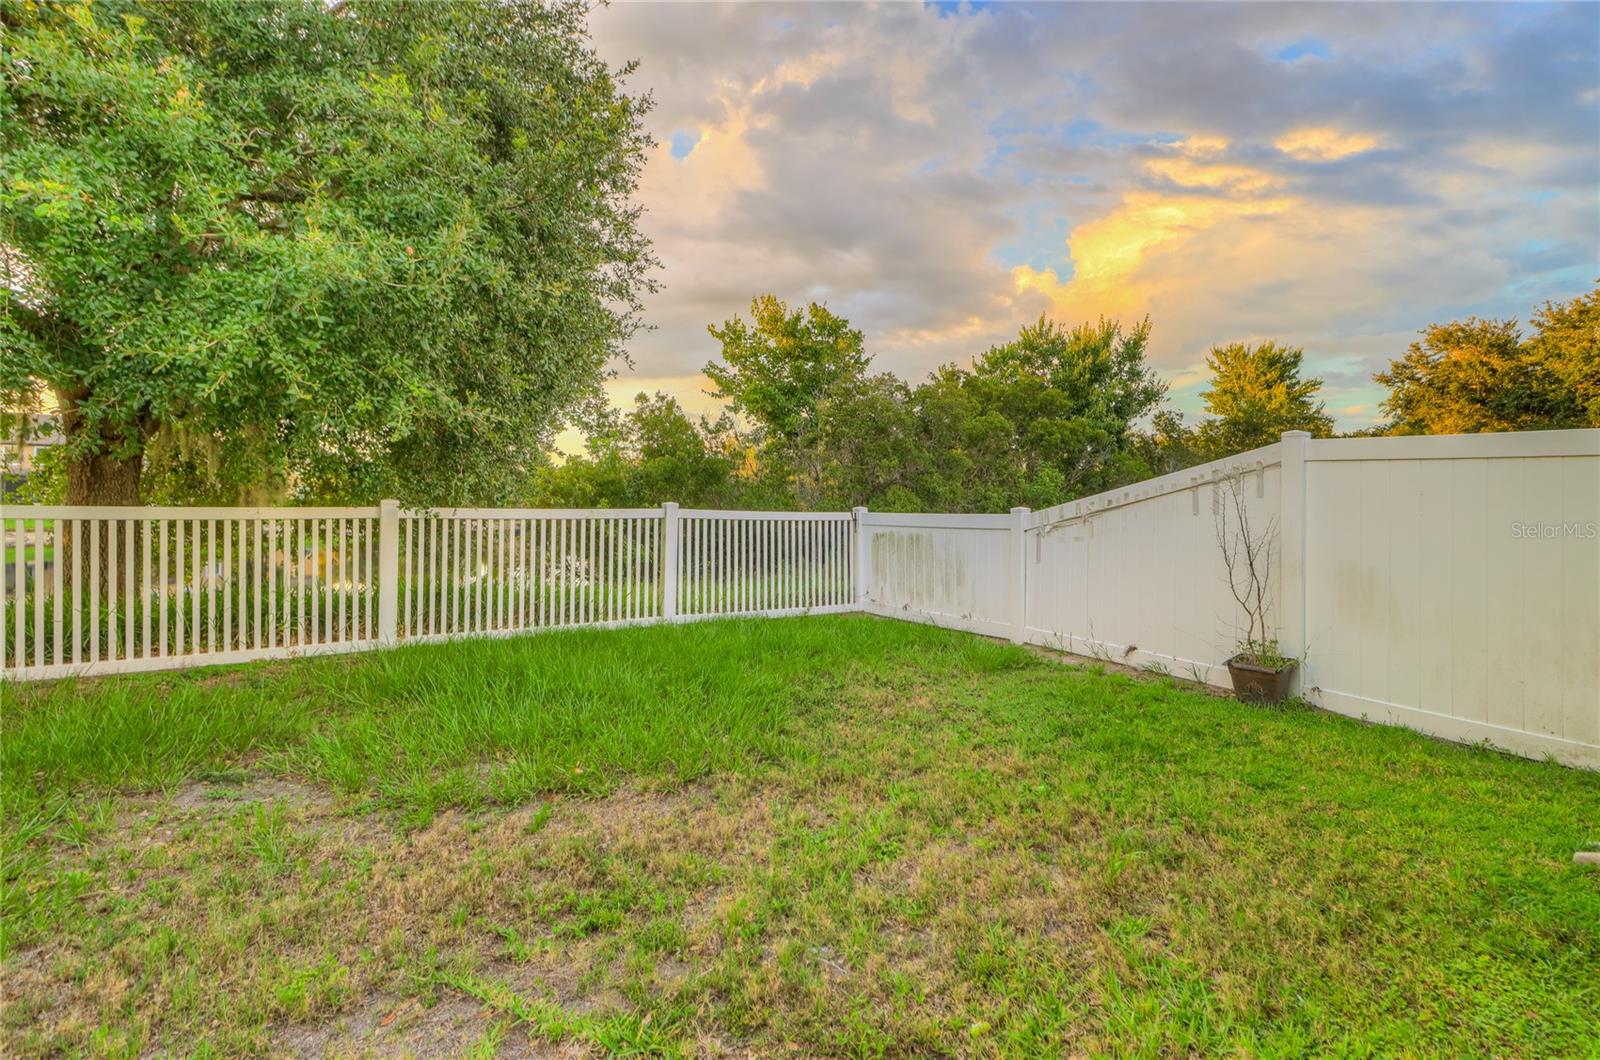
<point x="842" y="836"/>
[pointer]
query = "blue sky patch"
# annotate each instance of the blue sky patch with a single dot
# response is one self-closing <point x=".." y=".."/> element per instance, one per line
<point x="1087" y="132"/>
<point x="947" y="8"/>
<point x="1313" y="47"/>
<point x="1043" y="244"/>
<point x="683" y="141"/>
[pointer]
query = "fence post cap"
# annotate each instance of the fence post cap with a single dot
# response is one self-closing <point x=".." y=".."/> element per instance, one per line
<point x="669" y="506"/>
<point x="1296" y="434"/>
<point x="1024" y="510"/>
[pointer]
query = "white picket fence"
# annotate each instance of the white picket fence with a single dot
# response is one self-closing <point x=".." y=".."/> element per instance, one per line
<point x="1449" y="584"/>
<point x="108" y="590"/>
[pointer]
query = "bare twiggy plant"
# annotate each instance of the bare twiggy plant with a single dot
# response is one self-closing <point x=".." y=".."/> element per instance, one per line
<point x="1247" y="549"/>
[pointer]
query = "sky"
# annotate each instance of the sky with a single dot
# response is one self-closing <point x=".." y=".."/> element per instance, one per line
<point x="1336" y="177"/>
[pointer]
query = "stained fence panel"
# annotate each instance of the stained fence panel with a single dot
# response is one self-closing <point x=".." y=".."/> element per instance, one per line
<point x="1453" y="586"/>
<point x="945" y="570"/>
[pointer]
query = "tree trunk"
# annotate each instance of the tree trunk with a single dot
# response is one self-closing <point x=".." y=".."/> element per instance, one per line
<point x="106" y="471"/>
<point x="100" y="479"/>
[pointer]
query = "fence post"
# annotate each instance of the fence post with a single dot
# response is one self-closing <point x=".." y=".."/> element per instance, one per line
<point x="388" y="570"/>
<point x="858" y="519"/>
<point x="669" y="561"/>
<point x="1019" y="575"/>
<point x="1292" y="549"/>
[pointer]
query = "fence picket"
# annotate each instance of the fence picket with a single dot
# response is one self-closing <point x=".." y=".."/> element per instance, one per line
<point x="94" y="594"/>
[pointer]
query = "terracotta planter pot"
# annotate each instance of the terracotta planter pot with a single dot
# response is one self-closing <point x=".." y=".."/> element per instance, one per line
<point x="1260" y="684"/>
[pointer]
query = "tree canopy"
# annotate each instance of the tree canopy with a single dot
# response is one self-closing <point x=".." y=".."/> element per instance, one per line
<point x="1476" y="375"/>
<point x="1056" y="413"/>
<point x="778" y="370"/>
<point x="1045" y="417"/>
<point x="1059" y="406"/>
<point x="1256" y="394"/>
<point x="375" y="248"/>
<point x="1566" y="346"/>
<point x="652" y="454"/>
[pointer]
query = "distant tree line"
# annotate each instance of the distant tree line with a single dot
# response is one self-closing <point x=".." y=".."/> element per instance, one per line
<point x="1054" y="414"/>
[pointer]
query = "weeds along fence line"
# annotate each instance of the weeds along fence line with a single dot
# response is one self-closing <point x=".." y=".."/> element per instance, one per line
<point x="107" y="590"/>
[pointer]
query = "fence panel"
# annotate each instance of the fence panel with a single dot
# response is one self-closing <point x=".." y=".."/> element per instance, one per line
<point x="1453" y="586"/>
<point x="765" y="563"/>
<point x="144" y="588"/>
<point x="492" y="572"/>
<point x="102" y="590"/>
<point x="1136" y="575"/>
<point x="946" y="570"/>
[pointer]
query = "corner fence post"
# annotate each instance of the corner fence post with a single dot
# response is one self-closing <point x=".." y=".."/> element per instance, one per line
<point x="1019" y="575"/>
<point x="388" y="571"/>
<point x="1292" y="551"/>
<point x="859" y="561"/>
<point x="669" y="561"/>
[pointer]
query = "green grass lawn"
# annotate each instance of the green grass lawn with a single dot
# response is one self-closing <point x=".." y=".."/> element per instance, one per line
<point x="841" y="836"/>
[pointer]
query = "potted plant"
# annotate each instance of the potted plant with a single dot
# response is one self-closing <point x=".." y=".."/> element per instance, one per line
<point x="1261" y="673"/>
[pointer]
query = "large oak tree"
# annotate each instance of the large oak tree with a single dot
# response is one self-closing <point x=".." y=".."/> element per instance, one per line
<point x="365" y="248"/>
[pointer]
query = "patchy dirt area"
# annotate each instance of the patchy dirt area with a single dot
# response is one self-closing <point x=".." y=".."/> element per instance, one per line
<point x="353" y="935"/>
<point x="221" y="794"/>
<point x="383" y="1025"/>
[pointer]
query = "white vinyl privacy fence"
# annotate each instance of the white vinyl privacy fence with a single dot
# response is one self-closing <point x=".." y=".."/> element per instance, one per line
<point x="1450" y="584"/>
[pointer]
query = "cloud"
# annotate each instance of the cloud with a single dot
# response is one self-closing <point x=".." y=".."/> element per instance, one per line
<point x="1336" y="176"/>
<point x="1109" y="254"/>
<point x="1187" y="173"/>
<point x="1323" y="144"/>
